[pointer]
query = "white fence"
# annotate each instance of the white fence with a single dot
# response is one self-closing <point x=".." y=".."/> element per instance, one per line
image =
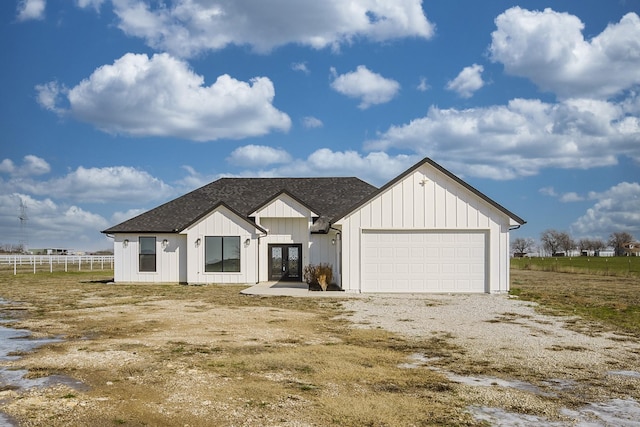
<point x="51" y="263"/>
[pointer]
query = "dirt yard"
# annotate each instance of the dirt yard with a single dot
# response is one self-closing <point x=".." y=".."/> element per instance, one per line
<point x="196" y="356"/>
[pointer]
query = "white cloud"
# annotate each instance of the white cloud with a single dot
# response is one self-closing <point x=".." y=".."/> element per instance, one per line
<point x="188" y="27"/>
<point x="548" y="191"/>
<point x="104" y="185"/>
<point x="371" y="88"/>
<point x="49" y="96"/>
<point x="565" y="198"/>
<point x="251" y="156"/>
<point x="31" y="9"/>
<point x="88" y="185"/>
<point x="162" y="96"/>
<point x="376" y="168"/>
<point x="49" y="224"/>
<point x="571" y="197"/>
<point x="119" y="217"/>
<point x="311" y="122"/>
<point x="300" y="66"/>
<point x="193" y="180"/>
<point x="95" y="4"/>
<point x="31" y="165"/>
<point x="423" y="86"/>
<point x="549" y="48"/>
<point x="7" y="166"/>
<point x="617" y="209"/>
<point x="520" y="138"/>
<point x="468" y="81"/>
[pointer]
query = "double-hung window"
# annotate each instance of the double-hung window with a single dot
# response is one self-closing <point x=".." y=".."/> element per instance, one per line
<point x="222" y="254"/>
<point x="147" y="254"/>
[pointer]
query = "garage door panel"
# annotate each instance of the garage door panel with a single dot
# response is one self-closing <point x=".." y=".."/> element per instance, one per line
<point x="417" y="268"/>
<point x="423" y="261"/>
<point x="417" y="252"/>
<point x="401" y="252"/>
<point x="385" y="268"/>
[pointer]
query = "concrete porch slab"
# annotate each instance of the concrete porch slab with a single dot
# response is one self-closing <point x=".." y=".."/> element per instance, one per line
<point x="292" y="289"/>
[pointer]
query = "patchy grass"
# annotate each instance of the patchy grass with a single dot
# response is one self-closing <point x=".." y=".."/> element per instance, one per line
<point x="600" y="266"/>
<point x="613" y="302"/>
<point x="176" y="355"/>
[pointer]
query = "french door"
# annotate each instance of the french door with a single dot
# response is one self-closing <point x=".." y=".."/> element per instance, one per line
<point x="285" y="262"/>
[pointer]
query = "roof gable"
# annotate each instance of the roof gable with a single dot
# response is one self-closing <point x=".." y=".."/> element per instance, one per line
<point x="284" y="204"/>
<point x="437" y="167"/>
<point x="223" y="208"/>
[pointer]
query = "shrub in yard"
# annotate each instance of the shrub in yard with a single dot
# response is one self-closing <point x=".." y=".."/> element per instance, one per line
<point x="318" y="275"/>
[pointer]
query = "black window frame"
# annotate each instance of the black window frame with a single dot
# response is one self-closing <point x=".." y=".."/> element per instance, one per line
<point x="227" y="262"/>
<point x="147" y="261"/>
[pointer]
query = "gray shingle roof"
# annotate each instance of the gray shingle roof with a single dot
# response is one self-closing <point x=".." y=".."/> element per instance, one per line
<point x="326" y="197"/>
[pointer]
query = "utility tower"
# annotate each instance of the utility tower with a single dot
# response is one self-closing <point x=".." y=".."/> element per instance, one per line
<point x="23" y="224"/>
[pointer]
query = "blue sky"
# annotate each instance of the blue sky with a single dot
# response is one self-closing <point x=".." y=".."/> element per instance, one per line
<point x="112" y="107"/>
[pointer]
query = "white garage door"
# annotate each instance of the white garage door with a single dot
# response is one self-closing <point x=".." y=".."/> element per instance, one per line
<point x="423" y="261"/>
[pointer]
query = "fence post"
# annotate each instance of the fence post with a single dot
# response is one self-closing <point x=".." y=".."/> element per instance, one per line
<point x="50" y="265"/>
<point x="65" y="264"/>
<point x="15" y="271"/>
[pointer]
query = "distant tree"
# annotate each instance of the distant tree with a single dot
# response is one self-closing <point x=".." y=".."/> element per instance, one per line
<point x="584" y="245"/>
<point x="554" y="241"/>
<point x="566" y="242"/>
<point x="591" y="245"/>
<point x="9" y="248"/>
<point x="598" y="245"/>
<point x="549" y="241"/>
<point x="522" y="245"/>
<point x="618" y="239"/>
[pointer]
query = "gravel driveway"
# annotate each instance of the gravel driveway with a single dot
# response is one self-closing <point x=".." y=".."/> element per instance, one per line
<point x="517" y="366"/>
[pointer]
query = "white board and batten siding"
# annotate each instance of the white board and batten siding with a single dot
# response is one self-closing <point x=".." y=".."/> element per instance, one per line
<point x="287" y="221"/>
<point x="171" y="259"/>
<point x="221" y="222"/>
<point x="426" y="233"/>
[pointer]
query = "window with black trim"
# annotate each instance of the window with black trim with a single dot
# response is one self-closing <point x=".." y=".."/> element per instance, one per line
<point x="222" y="254"/>
<point x="147" y="254"/>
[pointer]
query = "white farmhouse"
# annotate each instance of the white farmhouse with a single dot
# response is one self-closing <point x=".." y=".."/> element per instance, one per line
<point x="425" y="231"/>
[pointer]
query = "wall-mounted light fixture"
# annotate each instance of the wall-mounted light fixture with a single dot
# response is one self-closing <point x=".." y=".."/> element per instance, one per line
<point x="165" y="243"/>
<point x="247" y="242"/>
<point x="198" y="241"/>
<point x="125" y="243"/>
<point x="333" y="241"/>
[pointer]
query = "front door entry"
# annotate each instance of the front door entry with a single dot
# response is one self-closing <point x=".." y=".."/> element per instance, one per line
<point x="285" y="262"/>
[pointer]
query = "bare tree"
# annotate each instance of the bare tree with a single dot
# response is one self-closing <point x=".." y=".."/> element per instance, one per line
<point x="549" y="240"/>
<point x="522" y="245"/>
<point x="598" y="244"/>
<point x="566" y="242"/>
<point x="591" y="245"/>
<point x="618" y="239"/>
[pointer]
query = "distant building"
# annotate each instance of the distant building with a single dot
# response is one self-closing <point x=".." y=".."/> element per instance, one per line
<point x="50" y="251"/>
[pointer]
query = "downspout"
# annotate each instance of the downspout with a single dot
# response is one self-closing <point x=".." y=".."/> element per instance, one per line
<point x="258" y="260"/>
<point x="338" y="239"/>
